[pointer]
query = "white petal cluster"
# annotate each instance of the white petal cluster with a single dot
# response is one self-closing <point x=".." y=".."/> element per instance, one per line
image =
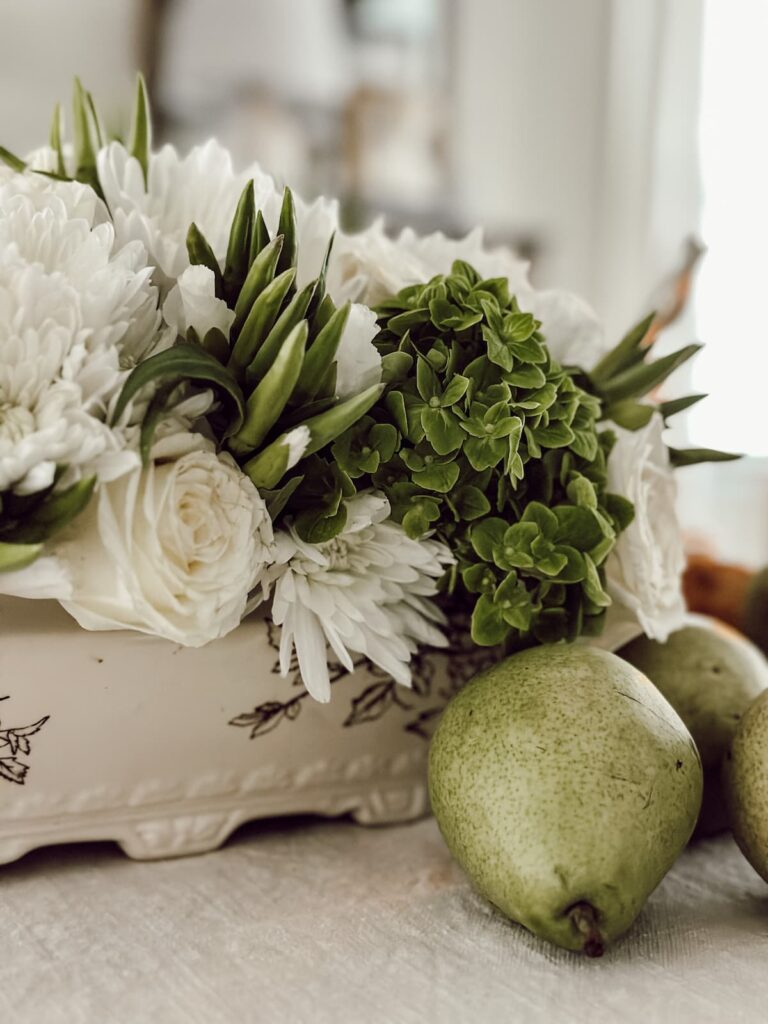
<point x="201" y="187"/>
<point x="644" y="570"/>
<point x="367" y="591"/>
<point x="74" y="311"/>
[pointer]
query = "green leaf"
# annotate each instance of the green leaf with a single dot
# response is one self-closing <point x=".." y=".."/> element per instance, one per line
<point x="543" y="517"/>
<point x="556" y="435"/>
<point x="692" y="456"/>
<point x="577" y="526"/>
<point x="18" y="556"/>
<point x="514" y="603"/>
<point x="627" y="353"/>
<point x="581" y="491"/>
<point x="277" y="500"/>
<point x="530" y="376"/>
<point x="488" y="535"/>
<point x="443" y="430"/>
<point x="403" y="322"/>
<point x="183" y="362"/>
<point x="640" y="379"/>
<point x="85" y="149"/>
<point x="56" y="512"/>
<point x="484" y="452"/>
<point x="593" y="586"/>
<point x="56" y="143"/>
<point x="317" y="527"/>
<point x="471" y="503"/>
<point x="437" y="477"/>
<point x="395" y="367"/>
<point x="455" y="391"/>
<point x="488" y="627"/>
<point x="427" y="381"/>
<point x="201" y="254"/>
<point x="141" y="128"/>
<point x="238" y="258"/>
<point x="620" y="509"/>
<point x="575" y="568"/>
<point x="448" y="317"/>
<point x="479" y="579"/>
<point x="16" y="164"/>
<point x="676" y="405"/>
<point x="630" y="414"/>
<point x="215" y="343"/>
<point x="156" y="412"/>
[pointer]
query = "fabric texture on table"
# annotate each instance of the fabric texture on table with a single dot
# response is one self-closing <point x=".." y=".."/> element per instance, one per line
<point x="330" y="922"/>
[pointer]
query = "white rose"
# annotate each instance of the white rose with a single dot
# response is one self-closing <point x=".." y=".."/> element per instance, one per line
<point x="645" y="568"/>
<point x="172" y="550"/>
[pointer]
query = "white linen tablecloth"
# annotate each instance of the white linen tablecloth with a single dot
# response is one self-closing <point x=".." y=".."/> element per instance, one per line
<point x="326" y="921"/>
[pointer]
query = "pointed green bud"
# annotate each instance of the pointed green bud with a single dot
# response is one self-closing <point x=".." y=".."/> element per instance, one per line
<point x="201" y="254"/>
<point x="262" y="271"/>
<point x="55" y="141"/>
<point x="267" y="353"/>
<point x="286" y="227"/>
<point x="321" y="354"/>
<point x="329" y="425"/>
<point x="627" y="353"/>
<point x="260" y="320"/>
<point x="693" y="456"/>
<point x="259" y="236"/>
<point x="140" y="145"/>
<point x="267" y="402"/>
<point x="268" y="468"/>
<point x="639" y="380"/>
<point x="239" y="247"/>
<point x="85" y="148"/>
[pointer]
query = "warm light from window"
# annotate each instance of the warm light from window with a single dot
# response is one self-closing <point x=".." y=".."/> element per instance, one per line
<point x="732" y="294"/>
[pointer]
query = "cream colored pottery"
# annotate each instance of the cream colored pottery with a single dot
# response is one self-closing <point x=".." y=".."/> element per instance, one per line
<point x="167" y="750"/>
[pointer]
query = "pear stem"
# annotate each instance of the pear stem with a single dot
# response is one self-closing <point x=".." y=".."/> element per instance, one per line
<point x="584" y="919"/>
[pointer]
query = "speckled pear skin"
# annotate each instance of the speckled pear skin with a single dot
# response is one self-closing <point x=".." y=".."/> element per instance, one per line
<point x="745" y="780"/>
<point x="710" y="676"/>
<point x="561" y="777"/>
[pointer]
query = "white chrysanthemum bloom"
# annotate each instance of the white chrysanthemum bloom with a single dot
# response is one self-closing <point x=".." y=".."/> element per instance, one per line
<point x="367" y="591"/>
<point x="172" y="550"/>
<point x="73" y="313"/>
<point x="644" y="571"/>
<point x="201" y="187"/>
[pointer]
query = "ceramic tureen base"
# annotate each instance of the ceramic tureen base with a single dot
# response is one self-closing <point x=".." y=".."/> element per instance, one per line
<point x="167" y="750"/>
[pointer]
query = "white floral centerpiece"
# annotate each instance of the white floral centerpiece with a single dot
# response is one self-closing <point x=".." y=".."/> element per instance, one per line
<point x="214" y="401"/>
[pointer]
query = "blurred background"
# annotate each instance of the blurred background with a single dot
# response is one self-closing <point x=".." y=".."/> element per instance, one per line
<point x="609" y="141"/>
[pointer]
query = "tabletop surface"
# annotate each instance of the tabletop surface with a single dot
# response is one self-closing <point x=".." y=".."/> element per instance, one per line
<point x="327" y="921"/>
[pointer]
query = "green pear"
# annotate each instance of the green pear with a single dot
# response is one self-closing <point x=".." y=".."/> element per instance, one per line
<point x="745" y="779"/>
<point x="710" y="676"/>
<point x="565" y="786"/>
